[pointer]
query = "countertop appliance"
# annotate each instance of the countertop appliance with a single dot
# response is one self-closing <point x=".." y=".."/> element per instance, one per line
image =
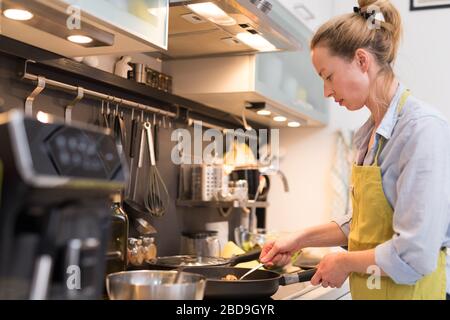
<point x="56" y="181"/>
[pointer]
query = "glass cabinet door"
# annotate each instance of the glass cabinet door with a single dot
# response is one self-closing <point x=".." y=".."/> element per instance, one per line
<point x="290" y="78"/>
<point x="144" y="19"/>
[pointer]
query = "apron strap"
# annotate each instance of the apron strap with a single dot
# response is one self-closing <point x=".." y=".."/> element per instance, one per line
<point x="382" y="140"/>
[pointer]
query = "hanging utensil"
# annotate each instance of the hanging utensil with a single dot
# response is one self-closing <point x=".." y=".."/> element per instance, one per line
<point x="99" y="117"/>
<point x="137" y="212"/>
<point x="106" y="116"/>
<point x="157" y="199"/>
<point x="155" y="137"/>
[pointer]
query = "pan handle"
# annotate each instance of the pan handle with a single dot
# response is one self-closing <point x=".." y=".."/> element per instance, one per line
<point x="301" y="276"/>
<point x="246" y="257"/>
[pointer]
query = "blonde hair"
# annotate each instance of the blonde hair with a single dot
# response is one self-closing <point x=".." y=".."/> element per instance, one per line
<point x="345" y="34"/>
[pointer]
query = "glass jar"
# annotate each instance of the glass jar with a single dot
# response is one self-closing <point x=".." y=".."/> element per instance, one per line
<point x="140" y="250"/>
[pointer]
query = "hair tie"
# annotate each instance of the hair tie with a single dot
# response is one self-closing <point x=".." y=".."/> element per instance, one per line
<point x="366" y="15"/>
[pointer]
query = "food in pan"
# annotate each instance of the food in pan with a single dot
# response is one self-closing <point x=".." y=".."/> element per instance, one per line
<point x="230" y="277"/>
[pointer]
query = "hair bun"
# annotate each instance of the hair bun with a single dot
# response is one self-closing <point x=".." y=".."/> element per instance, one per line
<point x="392" y="21"/>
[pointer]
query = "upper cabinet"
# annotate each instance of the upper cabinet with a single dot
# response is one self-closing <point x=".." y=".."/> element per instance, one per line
<point x="276" y="89"/>
<point x="312" y="13"/>
<point x="74" y="28"/>
<point x="265" y="87"/>
<point x="290" y="81"/>
<point x="143" y="19"/>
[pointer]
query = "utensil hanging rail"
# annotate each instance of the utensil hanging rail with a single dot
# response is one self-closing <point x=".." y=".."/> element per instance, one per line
<point x="99" y="95"/>
<point x="45" y="82"/>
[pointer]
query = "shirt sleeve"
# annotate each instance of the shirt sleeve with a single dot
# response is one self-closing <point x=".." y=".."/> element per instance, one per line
<point x="344" y="223"/>
<point x="421" y="212"/>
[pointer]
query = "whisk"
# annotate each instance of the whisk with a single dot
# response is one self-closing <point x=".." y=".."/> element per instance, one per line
<point x="157" y="198"/>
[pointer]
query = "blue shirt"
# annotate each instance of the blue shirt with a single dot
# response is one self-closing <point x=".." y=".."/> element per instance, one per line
<point x="415" y="168"/>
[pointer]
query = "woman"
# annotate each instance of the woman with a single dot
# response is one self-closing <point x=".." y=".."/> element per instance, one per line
<point x="399" y="228"/>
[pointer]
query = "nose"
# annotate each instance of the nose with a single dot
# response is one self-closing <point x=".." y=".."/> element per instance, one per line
<point x="327" y="91"/>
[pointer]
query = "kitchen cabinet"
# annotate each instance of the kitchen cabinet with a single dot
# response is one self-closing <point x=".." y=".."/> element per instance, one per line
<point x="113" y="27"/>
<point x="312" y="13"/>
<point x="289" y="79"/>
<point x="285" y="82"/>
<point x="144" y="19"/>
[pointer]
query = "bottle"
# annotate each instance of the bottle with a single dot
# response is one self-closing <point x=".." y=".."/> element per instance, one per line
<point x="117" y="245"/>
<point x="122" y="68"/>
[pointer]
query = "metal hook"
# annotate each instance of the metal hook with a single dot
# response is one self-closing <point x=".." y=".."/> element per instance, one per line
<point x="107" y="106"/>
<point x="142" y="115"/>
<point x="30" y="99"/>
<point x="71" y="105"/>
<point x="164" y="121"/>
<point x="121" y="111"/>
<point x="107" y="114"/>
<point x="132" y="114"/>
<point x="154" y="119"/>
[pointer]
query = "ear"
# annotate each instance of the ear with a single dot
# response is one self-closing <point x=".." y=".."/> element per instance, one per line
<point x="362" y="59"/>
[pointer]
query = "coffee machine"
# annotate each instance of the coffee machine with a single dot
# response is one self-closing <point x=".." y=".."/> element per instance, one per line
<point x="55" y="185"/>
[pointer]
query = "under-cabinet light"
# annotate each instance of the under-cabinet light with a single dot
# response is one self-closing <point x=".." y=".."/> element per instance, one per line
<point x="255" y="41"/>
<point x="79" y="39"/>
<point x="213" y="13"/>
<point x="294" y="124"/>
<point x="18" y="14"/>
<point x="280" y="119"/>
<point x="264" y="112"/>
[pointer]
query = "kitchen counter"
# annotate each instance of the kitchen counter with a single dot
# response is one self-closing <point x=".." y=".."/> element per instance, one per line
<point x="306" y="291"/>
<point x="285" y="292"/>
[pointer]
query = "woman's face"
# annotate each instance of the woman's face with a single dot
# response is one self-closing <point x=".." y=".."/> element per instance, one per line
<point x="347" y="82"/>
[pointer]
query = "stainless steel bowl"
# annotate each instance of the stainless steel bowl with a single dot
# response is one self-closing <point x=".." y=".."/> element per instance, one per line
<point x="155" y="285"/>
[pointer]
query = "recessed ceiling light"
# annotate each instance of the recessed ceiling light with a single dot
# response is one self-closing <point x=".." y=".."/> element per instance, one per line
<point x="79" y="39"/>
<point x="18" y="14"/>
<point x="280" y="119"/>
<point x="264" y="112"/>
<point x="294" y="124"/>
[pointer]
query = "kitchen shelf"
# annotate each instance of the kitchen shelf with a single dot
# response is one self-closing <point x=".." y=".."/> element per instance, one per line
<point x="66" y="70"/>
<point x="221" y="204"/>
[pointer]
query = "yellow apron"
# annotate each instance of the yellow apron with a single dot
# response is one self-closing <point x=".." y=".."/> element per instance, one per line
<point x="372" y="225"/>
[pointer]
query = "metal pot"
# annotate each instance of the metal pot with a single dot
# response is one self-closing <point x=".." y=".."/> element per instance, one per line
<point x="201" y="243"/>
<point x="155" y="285"/>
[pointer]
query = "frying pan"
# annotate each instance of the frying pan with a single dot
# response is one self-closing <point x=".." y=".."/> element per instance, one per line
<point x="259" y="284"/>
<point x="183" y="261"/>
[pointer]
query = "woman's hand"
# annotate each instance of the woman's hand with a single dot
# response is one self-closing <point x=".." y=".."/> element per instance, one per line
<point x="332" y="271"/>
<point x="278" y="252"/>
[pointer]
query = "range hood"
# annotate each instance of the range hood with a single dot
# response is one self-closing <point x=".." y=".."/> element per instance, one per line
<point x="228" y="27"/>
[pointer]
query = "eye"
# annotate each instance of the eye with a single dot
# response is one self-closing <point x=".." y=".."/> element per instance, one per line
<point x="329" y="77"/>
